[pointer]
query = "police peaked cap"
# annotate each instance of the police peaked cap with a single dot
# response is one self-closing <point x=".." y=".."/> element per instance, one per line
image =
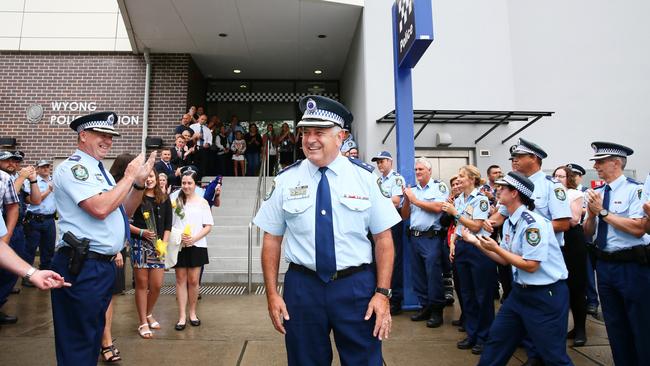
<point x="519" y="182"/>
<point x="103" y="122"/>
<point x="604" y="150"/>
<point x="319" y="111"/>
<point x="527" y="147"/>
<point x="576" y="169"/>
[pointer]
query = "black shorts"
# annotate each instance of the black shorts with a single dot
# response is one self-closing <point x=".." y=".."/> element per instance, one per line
<point x="192" y="257"/>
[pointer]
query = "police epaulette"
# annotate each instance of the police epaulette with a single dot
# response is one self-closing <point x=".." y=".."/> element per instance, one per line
<point x="289" y="167"/>
<point x="552" y="179"/>
<point x="528" y="217"/>
<point x="436" y="181"/>
<point x="75" y="158"/>
<point x="633" y="181"/>
<point x="362" y="164"/>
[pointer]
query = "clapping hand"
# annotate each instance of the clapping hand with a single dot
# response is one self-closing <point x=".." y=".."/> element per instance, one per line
<point x="488" y="243"/>
<point x="594" y="202"/>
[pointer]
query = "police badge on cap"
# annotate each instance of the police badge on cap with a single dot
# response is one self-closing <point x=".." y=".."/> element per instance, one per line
<point x="103" y="122"/>
<point x="324" y="112"/>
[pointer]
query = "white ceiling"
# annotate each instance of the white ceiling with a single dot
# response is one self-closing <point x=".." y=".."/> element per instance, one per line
<point x="267" y="39"/>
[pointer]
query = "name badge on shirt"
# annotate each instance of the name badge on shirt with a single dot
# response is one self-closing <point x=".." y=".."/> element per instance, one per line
<point x="355" y="196"/>
<point x="298" y="192"/>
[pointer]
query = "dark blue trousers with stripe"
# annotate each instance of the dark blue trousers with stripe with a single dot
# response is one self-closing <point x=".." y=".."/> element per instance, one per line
<point x="426" y="263"/>
<point x="316" y="309"/>
<point x="624" y="290"/>
<point x="542" y="312"/>
<point x="477" y="274"/>
<point x="79" y="311"/>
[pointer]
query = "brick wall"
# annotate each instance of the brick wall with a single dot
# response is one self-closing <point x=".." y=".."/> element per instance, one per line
<point x="113" y="81"/>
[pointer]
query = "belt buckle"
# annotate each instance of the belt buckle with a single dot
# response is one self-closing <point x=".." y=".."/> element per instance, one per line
<point x="335" y="276"/>
<point x="416" y="233"/>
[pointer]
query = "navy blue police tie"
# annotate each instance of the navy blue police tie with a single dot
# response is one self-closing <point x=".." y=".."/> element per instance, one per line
<point x="127" y="229"/>
<point x="325" y="255"/>
<point x="601" y="237"/>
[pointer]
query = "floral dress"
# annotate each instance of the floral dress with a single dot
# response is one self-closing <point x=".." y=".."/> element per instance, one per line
<point x="150" y="214"/>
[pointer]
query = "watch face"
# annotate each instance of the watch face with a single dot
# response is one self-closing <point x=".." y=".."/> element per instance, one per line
<point x="604" y="212"/>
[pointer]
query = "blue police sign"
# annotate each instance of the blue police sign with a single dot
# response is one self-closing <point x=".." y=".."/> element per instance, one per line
<point x="412" y="35"/>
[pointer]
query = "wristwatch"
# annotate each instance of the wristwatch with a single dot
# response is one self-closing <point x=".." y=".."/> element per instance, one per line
<point x="384" y="291"/>
<point x="603" y="213"/>
<point x="137" y="187"/>
<point x="29" y="273"/>
<point x="457" y="216"/>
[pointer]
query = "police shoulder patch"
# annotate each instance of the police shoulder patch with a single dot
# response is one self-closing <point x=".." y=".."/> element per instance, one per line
<point x="381" y="189"/>
<point x="560" y="194"/>
<point x="399" y="181"/>
<point x="442" y="187"/>
<point x="362" y="164"/>
<point x="527" y="217"/>
<point x="484" y="206"/>
<point x="74" y="158"/>
<point x="290" y="166"/>
<point x="79" y="172"/>
<point x="532" y="236"/>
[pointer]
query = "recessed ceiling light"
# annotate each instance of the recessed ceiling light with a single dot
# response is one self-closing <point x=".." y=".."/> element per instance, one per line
<point x="318" y="72"/>
<point x="322" y="36"/>
<point x="223" y="35"/>
<point x="236" y="71"/>
<point x="316" y="87"/>
<point x="243" y="86"/>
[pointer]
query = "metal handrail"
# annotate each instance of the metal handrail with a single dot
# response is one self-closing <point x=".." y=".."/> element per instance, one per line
<point x="261" y="187"/>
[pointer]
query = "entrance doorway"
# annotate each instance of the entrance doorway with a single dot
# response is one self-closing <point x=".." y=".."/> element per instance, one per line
<point x="445" y="163"/>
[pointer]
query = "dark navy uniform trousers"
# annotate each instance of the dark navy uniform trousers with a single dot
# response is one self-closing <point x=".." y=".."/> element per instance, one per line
<point x="397" y="283"/>
<point x="42" y="235"/>
<point x="477" y="274"/>
<point x="542" y="312"/>
<point x="426" y="264"/>
<point x="317" y="308"/>
<point x="79" y="311"/>
<point x="624" y="290"/>
<point x="8" y="279"/>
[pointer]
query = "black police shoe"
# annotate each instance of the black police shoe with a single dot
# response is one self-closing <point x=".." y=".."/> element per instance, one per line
<point x="533" y="362"/>
<point x="436" y="318"/>
<point x="457" y="323"/>
<point x="580" y="338"/>
<point x="592" y="309"/>
<point x="465" y="344"/>
<point x="7" y="319"/>
<point x="15" y="290"/>
<point x="395" y="307"/>
<point x="423" y="314"/>
<point x="477" y="349"/>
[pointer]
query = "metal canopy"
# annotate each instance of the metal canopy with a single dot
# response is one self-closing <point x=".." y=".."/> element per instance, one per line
<point x="494" y="118"/>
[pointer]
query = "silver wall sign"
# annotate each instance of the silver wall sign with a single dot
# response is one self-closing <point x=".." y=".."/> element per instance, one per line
<point x="34" y="113"/>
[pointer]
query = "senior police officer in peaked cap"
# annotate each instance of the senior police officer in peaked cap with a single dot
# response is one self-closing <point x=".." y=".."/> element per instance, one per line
<point x="325" y="206"/>
<point x="391" y="185"/>
<point x="615" y="218"/>
<point x="539" y="302"/>
<point x="94" y="213"/>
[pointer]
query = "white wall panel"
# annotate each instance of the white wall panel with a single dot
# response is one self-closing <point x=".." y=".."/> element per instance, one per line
<point x="67" y="44"/>
<point x="10" y="24"/>
<point x="9" y="43"/>
<point x="101" y="25"/>
<point x="71" y="6"/>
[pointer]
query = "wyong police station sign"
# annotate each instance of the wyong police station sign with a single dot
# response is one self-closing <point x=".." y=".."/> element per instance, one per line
<point x="64" y="112"/>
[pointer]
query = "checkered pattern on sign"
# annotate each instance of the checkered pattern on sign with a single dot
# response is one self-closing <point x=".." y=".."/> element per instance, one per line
<point x="261" y="97"/>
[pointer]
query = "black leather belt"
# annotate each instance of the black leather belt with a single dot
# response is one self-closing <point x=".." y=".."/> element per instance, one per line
<point x="428" y="233"/>
<point x="638" y="254"/>
<point x="337" y="276"/>
<point x="39" y="217"/>
<point x="67" y="251"/>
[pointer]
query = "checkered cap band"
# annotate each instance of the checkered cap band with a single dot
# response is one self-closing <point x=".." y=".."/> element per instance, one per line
<point x="323" y="115"/>
<point x="95" y="124"/>
<point x="521" y="149"/>
<point x="610" y="151"/>
<point x="517" y="184"/>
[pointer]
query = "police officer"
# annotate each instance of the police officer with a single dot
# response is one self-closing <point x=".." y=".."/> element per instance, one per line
<point x="93" y="210"/>
<point x="592" y="293"/>
<point x="325" y="206"/>
<point x="423" y="204"/>
<point x="550" y="202"/>
<point x="615" y="219"/>
<point x="11" y="262"/>
<point x="391" y="185"/>
<point x="477" y="272"/>
<point x="40" y="229"/>
<point x="539" y="302"/>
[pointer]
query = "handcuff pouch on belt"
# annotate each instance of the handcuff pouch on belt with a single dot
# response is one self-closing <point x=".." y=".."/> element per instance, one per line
<point x="80" y="249"/>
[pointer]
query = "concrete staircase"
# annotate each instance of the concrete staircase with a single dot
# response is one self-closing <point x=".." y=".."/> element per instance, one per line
<point x="228" y="240"/>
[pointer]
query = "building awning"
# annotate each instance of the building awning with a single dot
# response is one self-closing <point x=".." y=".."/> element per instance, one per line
<point x="488" y="118"/>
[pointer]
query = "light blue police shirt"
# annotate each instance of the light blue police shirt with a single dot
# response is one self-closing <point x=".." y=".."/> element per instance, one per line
<point x="433" y="191"/>
<point x="475" y="207"/>
<point x="550" y="200"/>
<point x="348" y="144"/>
<point x="530" y="235"/>
<point x="392" y="183"/>
<point x="3" y="227"/>
<point x="357" y="206"/>
<point x="625" y="200"/>
<point x="646" y="189"/>
<point x="48" y="205"/>
<point x="75" y="180"/>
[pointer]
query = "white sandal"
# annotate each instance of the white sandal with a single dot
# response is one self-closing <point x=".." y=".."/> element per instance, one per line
<point x="155" y="324"/>
<point x="146" y="334"/>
